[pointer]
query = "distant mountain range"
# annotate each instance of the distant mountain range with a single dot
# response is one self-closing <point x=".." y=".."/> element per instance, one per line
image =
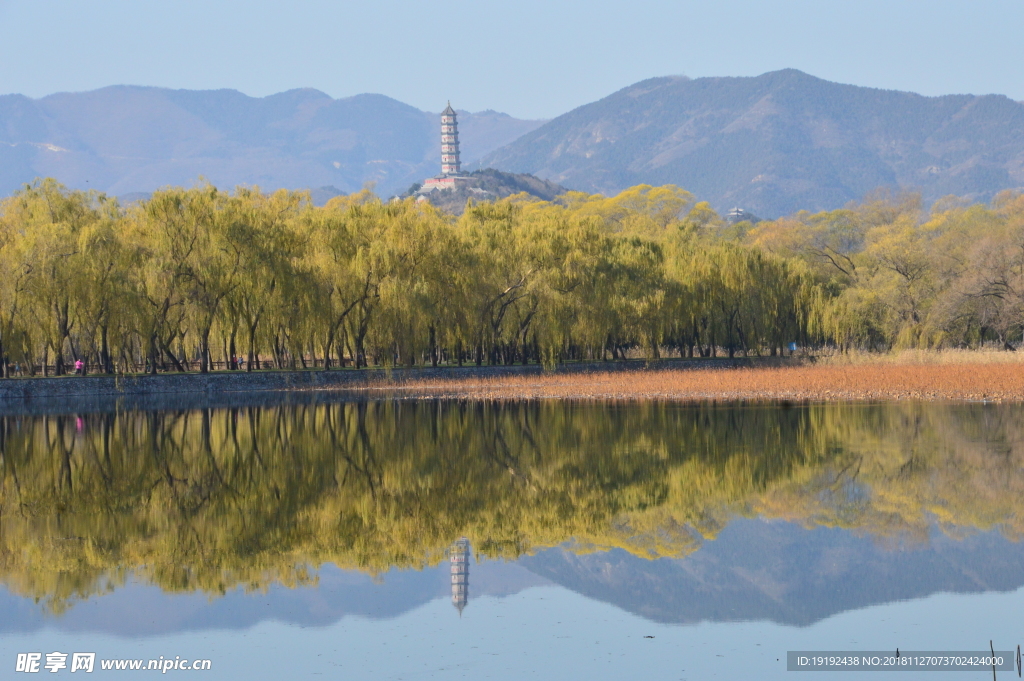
<point x="754" y="571"/>
<point x="131" y="140"/>
<point x="772" y="145"/>
<point x="778" y="143"/>
<point x="781" y="572"/>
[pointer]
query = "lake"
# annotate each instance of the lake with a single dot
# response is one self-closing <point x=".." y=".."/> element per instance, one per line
<point x="313" y="537"/>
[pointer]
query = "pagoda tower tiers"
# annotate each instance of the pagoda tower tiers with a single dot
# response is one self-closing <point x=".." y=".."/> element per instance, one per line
<point x="458" y="555"/>
<point x="450" y="164"/>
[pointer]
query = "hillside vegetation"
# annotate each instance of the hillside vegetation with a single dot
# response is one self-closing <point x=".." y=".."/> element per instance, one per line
<point x="488" y="185"/>
<point x="778" y="143"/>
<point x="191" y="276"/>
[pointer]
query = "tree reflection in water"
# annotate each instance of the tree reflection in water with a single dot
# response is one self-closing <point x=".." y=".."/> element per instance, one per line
<point x="214" y="499"/>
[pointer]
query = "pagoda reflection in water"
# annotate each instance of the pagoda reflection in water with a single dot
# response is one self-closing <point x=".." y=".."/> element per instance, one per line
<point x="458" y="554"/>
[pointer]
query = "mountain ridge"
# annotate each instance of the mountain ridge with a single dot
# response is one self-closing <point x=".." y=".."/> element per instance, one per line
<point x="777" y="143"/>
<point x="771" y="144"/>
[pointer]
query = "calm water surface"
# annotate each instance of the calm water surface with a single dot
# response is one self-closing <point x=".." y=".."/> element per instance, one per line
<point x="400" y="540"/>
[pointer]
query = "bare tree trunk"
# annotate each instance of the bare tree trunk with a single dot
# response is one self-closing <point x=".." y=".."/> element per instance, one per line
<point x="174" y="360"/>
<point x="106" y="366"/>
<point x="360" y="351"/>
<point x="152" y="355"/>
<point x="433" y="347"/>
<point x="252" y="349"/>
<point x="328" y="345"/>
<point x="204" y="351"/>
<point x="345" y="346"/>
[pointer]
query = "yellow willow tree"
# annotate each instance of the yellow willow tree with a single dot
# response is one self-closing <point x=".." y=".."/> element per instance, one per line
<point x="902" y="272"/>
<point x="51" y="223"/>
<point x="574" y="294"/>
<point x="757" y="299"/>
<point x="977" y="260"/>
<point x="995" y="269"/>
<point x="170" y="233"/>
<point x="444" y="286"/>
<point x="641" y="292"/>
<point x="699" y="286"/>
<point x="335" y="237"/>
<point x="643" y="209"/>
<point x="508" y="255"/>
<point x="212" y="267"/>
<point x="603" y="291"/>
<point x="263" y="229"/>
<point x="293" y="322"/>
<point x="15" y="271"/>
<point x="828" y="242"/>
<point x="421" y="299"/>
<point x="396" y="248"/>
<point x="105" y="300"/>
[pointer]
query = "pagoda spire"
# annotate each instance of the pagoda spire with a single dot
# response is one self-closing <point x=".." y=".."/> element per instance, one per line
<point x="450" y="164"/>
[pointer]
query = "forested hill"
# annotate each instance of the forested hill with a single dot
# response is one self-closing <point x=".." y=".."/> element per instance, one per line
<point x="124" y="139"/>
<point x="778" y="143"/>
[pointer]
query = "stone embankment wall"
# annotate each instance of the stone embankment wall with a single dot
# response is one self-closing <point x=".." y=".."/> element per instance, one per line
<point x="237" y="388"/>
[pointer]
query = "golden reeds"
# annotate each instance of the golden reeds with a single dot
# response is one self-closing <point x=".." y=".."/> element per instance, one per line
<point x="942" y="379"/>
<point x="946" y="356"/>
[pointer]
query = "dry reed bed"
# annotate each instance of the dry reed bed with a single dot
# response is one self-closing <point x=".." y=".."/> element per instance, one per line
<point x="994" y="382"/>
<point x="945" y="356"/>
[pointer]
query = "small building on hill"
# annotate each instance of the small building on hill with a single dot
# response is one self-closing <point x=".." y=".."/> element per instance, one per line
<point x="739" y="215"/>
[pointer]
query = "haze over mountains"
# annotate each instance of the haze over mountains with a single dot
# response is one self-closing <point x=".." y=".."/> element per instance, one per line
<point x="772" y="144"/>
<point x="123" y="139"/>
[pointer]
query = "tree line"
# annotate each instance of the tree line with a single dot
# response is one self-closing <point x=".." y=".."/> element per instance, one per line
<point x="892" y="274"/>
<point x="198" y="279"/>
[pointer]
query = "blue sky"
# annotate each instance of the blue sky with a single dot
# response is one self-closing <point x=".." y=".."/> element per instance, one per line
<point x="529" y="58"/>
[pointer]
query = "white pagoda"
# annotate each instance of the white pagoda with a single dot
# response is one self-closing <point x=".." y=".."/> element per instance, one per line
<point x="451" y="166"/>
<point x="458" y="555"/>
